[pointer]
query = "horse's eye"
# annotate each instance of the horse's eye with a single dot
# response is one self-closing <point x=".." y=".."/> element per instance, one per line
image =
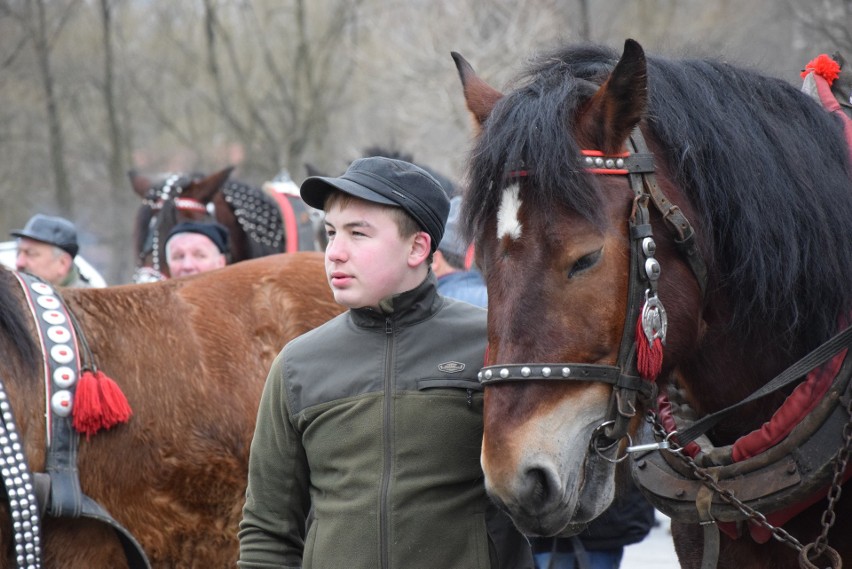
<point x="584" y="263"/>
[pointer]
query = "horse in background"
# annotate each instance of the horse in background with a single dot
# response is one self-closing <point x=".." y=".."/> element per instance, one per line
<point x="191" y="355"/>
<point x="260" y="221"/>
<point x="651" y="224"/>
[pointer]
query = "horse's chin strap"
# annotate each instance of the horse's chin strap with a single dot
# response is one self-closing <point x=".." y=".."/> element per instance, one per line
<point x="645" y="324"/>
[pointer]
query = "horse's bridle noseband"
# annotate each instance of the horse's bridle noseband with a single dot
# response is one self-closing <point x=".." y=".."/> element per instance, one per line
<point x="642" y="299"/>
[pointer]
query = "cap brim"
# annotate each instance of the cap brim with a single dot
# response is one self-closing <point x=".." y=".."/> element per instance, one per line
<point x="315" y="189"/>
<point x="70" y="249"/>
<point x="28" y="235"/>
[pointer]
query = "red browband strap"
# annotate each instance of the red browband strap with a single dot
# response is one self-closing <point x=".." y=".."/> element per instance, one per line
<point x="183" y="204"/>
<point x="595" y="162"/>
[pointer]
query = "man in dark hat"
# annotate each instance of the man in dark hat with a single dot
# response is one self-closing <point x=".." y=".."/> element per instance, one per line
<point x="373" y="421"/>
<point x="47" y="246"/>
<point x="194" y="247"/>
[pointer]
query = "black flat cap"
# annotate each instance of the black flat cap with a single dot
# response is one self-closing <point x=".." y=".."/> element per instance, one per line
<point x="52" y="230"/>
<point x="391" y="182"/>
<point x="217" y="233"/>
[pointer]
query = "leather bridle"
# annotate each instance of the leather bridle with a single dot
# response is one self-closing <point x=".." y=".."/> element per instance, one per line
<point x="642" y="297"/>
<point x="168" y="191"/>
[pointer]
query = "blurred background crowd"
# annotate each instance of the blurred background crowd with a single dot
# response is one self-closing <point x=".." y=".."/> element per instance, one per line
<point x="91" y="89"/>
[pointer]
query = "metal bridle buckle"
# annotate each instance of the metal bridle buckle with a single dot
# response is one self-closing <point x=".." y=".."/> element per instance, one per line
<point x="597" y="435"/>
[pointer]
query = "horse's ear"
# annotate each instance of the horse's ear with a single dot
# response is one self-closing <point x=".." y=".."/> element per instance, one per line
<point x="204" y="189"/>
<point x="141" y="184"/>
<point x="614" y="111"/>
<point x="479" y="95"/>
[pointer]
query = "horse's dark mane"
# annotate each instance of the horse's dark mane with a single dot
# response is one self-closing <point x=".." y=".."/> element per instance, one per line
<point x="765" y="168"/>
<point x="13" y="323"/>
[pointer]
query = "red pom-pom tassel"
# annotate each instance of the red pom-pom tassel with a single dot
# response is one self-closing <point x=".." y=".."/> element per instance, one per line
<point x="823" y="66"/>
<point x="98" y="404"/>
<point x="649" y="357"/>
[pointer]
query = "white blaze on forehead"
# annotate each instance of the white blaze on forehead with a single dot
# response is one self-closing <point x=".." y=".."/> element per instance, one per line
<point x="508" y="223"/>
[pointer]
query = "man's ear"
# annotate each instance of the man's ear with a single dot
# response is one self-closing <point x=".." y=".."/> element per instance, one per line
<point x="67" y="262"/>
<point x="420" y="249"/>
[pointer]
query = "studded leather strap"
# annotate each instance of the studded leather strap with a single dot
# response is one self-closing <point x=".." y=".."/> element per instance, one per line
<point x="58" y="339"/>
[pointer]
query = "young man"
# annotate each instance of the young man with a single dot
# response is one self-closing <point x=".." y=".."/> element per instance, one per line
<point x="193" y="247"/>
<point x="47" y="246"/>
<point x="372" y="422"/>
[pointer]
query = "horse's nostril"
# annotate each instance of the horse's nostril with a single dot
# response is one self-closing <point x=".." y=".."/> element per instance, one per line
<point x="538" y="485"/>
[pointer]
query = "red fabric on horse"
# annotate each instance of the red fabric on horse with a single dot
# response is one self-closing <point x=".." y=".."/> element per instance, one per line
<point x="823" y="75"/>
<point x="796" y="407"/>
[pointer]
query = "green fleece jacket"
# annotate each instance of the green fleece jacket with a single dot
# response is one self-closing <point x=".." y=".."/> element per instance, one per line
<point x="372" y="424"/>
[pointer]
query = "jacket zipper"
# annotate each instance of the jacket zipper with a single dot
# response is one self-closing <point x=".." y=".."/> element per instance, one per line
<point x="387" y="437"/>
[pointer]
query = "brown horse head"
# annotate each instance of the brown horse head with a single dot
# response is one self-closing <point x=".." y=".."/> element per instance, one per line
<point x="628" y="240"/>
<point x="540" y="466"/>
<point x="168" y="200"/>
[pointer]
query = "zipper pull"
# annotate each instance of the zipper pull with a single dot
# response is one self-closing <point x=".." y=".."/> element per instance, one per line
<point x="470" y="398"/>
<point x="388" y="326"/>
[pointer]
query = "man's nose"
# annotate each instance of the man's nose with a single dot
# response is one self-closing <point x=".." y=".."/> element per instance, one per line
<point x="336" y="250"/>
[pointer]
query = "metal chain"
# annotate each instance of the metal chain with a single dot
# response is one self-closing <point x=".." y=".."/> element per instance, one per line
<point x="840" y="462"/>
<point x="811" y="551"/>
<point x="728" y="496"/>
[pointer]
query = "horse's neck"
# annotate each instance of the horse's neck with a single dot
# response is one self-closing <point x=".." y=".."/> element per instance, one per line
<point x="722" y="372"/>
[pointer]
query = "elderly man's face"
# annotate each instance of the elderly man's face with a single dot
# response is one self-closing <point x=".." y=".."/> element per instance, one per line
<point x="191" y="253"/>
<point x="43" y="260"/>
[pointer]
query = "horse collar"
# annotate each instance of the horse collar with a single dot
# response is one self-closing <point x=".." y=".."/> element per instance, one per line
<point x="57" y="492"/>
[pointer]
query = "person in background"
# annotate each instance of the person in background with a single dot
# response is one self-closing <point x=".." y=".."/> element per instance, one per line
<point x="601" y="545"/>
<point x="372" y="422"/>
<point x="194" y="247"/>
<point x="47" y="246"/>
<point x="448" y="264"/>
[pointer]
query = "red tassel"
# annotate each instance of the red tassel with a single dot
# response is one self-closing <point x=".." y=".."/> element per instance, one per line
<point x="649" y="358"/>
<point x="98" y="404"/>
<point x="115" y="407"/>
<point x="823" y="66"/>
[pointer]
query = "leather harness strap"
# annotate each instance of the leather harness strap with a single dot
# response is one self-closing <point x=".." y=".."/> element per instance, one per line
<point x="61" y="494"/>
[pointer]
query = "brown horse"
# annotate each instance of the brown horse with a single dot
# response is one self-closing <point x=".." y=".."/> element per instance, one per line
<point x="191" y="356"/>
<point x="259" y="221"/>
<point x="601" y="289"/>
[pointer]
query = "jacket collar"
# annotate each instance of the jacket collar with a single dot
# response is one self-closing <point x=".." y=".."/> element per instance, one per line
<point x="404" y="308"/>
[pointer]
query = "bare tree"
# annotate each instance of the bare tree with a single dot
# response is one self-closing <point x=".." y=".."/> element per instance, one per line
<point x="38" y="27"/>
<point x="265" y="84"/>
<point x="826" y="25"/>
<point x="121" y="201"/>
